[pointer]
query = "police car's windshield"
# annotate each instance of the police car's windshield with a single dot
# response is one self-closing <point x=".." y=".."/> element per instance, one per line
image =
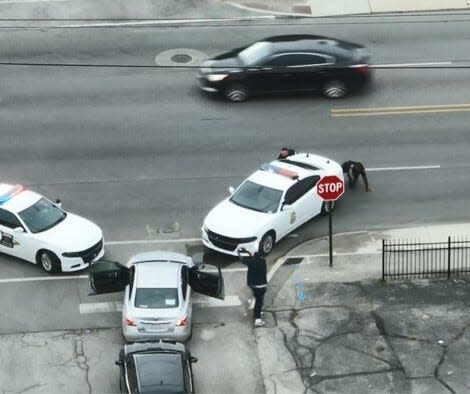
<point x="257" y="197"/>
<point x="42" y="216"/>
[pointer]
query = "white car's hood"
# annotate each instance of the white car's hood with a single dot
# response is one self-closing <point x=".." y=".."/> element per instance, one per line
<point x="73" y="234"/>
<point x="234" y="221"/>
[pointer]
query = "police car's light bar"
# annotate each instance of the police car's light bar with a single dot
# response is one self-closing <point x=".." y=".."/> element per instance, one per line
<point x="8" y="191"/>
<point x="279" y="170"/>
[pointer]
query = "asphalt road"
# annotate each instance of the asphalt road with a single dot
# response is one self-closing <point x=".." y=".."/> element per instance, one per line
<point x="145" y="155"/>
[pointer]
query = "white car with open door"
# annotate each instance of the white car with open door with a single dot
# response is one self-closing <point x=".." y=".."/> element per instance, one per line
<point x="269" y="204"/>
<point x="38" y="230"/>
<point x="157" y="292"/>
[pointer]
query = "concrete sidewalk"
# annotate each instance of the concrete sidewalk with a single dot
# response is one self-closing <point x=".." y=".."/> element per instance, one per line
<point x="340" y="330"/>
<point x="318" y="8"/>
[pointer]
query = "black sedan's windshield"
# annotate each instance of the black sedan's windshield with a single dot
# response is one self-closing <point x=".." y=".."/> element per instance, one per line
<point x="255" y="52"/>
<point x="42" y="216"/>
<point x="257" y="197"/>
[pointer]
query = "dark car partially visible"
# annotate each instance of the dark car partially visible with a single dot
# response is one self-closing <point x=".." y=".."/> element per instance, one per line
<point x="292" y="63"/>
<point x="156" y="367"/>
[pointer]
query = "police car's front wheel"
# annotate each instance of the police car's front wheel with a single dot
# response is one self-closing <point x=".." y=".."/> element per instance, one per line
<point x="267" y="242"/>
<point x="48" y="261"/>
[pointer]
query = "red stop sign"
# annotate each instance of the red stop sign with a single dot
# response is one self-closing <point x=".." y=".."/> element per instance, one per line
<point x="330" y="187"/>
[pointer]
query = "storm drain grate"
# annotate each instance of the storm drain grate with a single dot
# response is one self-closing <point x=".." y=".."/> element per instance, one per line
<point x="293" y="260"/>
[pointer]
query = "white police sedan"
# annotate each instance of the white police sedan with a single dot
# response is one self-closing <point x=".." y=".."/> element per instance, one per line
<point x="269" y="204"/>
<point x="38" y="230"/>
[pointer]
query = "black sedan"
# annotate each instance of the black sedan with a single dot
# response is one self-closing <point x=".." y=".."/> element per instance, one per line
<point x="156" y="367"/>
<point x="292" y="63"/>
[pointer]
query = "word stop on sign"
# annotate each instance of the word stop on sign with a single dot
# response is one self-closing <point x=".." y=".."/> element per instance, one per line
<point x="330" y="187"/>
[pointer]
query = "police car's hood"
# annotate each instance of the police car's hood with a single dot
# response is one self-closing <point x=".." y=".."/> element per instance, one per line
<point x="234" y="221"/>
<point x="73" y="234"/>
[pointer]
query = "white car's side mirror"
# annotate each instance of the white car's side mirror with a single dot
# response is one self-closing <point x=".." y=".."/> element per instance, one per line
<point x="18" y="230"/>
<point x="58" y="203"/>
<point x="231" y="189"/>
<point x="286" y="207"/>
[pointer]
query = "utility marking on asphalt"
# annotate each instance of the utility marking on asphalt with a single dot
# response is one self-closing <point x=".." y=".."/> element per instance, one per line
<point x="167" y="22"/>
<point x="116" y="306"/>
<point x="403" y="110"/>
<point x="429" y="167"/>
<point x="401" y="65"/>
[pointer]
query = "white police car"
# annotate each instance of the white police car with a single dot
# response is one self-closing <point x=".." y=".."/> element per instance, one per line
<point x="269" y="204"/>
<point x="38" y="230"/>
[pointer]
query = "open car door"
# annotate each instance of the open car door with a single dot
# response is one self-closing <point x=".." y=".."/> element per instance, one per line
<point x="210" y="283"/>
<point x="107" y="277"/>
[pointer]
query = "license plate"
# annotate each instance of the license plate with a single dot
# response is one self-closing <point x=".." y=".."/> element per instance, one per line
<point x="155" y="327"/>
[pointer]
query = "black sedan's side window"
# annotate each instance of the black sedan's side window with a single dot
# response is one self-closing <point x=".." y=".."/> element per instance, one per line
<point x="131" y="375"/>
<point x="8" y="219"/>
<point x="279" y="61"/>
<point x="305" y="59"/>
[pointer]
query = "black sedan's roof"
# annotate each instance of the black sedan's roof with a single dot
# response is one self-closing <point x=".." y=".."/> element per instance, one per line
<point x="310" y="43"/>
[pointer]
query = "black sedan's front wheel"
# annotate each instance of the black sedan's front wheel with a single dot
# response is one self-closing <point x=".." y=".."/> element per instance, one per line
<point x="236" y="93"/>
<point x="335" y="89"/>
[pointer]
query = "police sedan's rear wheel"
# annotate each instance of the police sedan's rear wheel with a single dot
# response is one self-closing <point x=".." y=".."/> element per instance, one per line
<point x="48" y="261"/>
<point x="325" y="208"/>
<point x="335" y="89"/>
<point x="267" y="242"/>
<point x="236" y="93"/>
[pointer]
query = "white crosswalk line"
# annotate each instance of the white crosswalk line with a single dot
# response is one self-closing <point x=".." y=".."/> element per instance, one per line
<point x="116" y="306"/>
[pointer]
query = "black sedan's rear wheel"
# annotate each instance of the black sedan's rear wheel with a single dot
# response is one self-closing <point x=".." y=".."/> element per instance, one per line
<point x="236" y="93"/>
<point x="334" y="89"/>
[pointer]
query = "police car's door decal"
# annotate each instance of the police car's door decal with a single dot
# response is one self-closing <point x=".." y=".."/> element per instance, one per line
<point x="7" y="240"/>
<point x="292" y="217"/>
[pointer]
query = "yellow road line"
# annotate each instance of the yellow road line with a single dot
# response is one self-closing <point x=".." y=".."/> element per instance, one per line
<point x="418" y="109"/>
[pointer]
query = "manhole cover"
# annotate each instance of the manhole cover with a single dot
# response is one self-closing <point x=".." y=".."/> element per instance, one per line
<point x="181" y="58"/>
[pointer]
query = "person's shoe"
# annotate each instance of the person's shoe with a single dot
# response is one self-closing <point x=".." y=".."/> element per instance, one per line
<point x="259" y="323"/>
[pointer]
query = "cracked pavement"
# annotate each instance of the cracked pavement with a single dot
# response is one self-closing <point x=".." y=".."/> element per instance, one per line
<point x="366" y="337"/>
<point x="59" y="361"/>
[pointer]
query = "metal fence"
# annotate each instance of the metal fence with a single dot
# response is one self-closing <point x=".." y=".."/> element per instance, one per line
<point x="402" y="258"/>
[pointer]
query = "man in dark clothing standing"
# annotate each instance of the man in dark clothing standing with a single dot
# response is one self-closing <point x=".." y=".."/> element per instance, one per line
<point x="285" y="153"/>
<point x="255" y="279"/>
<point x="353" y="169"/>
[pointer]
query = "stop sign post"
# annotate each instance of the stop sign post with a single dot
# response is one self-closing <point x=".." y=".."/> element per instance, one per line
<point x="330" y="188"/>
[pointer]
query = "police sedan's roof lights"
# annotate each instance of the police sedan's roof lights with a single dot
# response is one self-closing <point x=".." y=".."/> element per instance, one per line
<point x="279" y="170"/>
<point x="8" y="191"/>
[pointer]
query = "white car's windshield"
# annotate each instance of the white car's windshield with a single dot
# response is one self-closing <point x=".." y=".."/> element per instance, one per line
<point x="255" y="52"/>
<point x="158" y="298"/>
<point x="257" y="197"/>
<point x="42" y="216"/>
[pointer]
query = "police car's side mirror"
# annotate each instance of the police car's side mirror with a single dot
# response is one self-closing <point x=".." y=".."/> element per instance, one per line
<point x="231" y="189"/>
<point x="58" y="203"/>
<point x="18" y="230"/>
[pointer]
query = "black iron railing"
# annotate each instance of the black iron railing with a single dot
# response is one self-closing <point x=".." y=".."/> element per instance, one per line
<point x="402" y="258"/>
